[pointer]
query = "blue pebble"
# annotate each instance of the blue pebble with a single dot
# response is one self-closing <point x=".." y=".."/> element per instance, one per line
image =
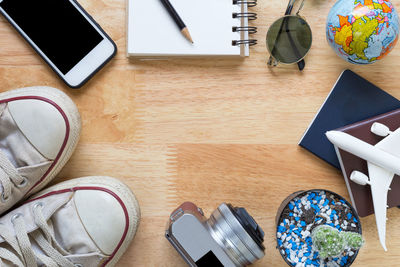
<point x="355" y="220"/>
<point x="348" y="216"/>
<point x="279" y="242"/>
<point x="291" y="227"/>
<point x="287" y="251"/>
<point x="326" y="202"/>
<point x="291" y="206"/>
<point x="307" y="254"/>
<point x="338" y="227"/>
<point x="344" y="202"/>
<point x="334" y="212"/>
<point x="303" y="223"/>
<point x="297" y="219"/>
<point x="291" y="214"/>
<point x="281" y="229"/>
<point x="333" y="202"/>
<point x="308" y="262"/>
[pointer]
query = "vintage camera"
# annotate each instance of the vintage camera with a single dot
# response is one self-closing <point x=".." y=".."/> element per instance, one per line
<point x="230" y="237"/>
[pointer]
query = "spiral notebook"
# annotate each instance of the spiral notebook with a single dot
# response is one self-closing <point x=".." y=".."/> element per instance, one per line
<point x="218" y="28"/>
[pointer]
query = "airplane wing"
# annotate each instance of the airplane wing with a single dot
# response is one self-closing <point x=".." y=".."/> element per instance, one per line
<point x="391" y="143"/>
<point x="381" y="180"/>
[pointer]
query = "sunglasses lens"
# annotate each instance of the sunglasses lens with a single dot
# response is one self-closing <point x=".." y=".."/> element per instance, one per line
<point x="289" y="39"/>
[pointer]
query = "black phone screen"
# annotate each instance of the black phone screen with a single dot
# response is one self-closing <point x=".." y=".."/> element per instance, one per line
<point x="57" y="27"/>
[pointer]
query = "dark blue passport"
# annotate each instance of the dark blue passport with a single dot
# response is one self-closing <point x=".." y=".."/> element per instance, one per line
<point x="352" y="99"/>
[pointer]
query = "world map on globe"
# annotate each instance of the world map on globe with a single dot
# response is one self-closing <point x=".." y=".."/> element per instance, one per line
<point x="362" y="31"/>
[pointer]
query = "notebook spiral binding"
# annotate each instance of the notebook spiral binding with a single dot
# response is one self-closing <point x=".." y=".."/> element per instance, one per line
<point x="249" y="16"/>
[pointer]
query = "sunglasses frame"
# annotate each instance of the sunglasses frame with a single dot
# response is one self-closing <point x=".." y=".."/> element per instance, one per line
<point x="272" y="61"/>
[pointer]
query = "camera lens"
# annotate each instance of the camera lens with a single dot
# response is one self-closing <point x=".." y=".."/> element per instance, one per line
<point x="237" y="233"/>
<point x="249" y="224"/>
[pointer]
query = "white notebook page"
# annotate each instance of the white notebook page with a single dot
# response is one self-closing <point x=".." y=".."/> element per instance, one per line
<point x="152" y="32"/>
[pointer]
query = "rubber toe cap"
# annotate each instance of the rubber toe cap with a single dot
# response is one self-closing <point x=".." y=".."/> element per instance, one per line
<point x="103" y="218"/>
<point x="41" y="123"/>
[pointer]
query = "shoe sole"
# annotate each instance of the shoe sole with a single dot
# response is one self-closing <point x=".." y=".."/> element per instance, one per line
<point x="117" y="187"/>
<point x="63" y="102"/>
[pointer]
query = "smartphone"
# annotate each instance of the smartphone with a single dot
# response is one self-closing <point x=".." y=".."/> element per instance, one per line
<point x="63" y="34"/>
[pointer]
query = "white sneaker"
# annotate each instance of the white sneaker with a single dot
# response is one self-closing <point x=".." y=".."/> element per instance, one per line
<point x="39" y="129"/>
<point x="82" y="222"/>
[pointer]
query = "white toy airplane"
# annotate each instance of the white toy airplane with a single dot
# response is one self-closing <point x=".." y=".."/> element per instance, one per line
<point x="383" y="163"/>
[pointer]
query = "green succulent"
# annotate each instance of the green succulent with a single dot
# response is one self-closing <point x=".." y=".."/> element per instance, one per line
<point x="329" y="242"/>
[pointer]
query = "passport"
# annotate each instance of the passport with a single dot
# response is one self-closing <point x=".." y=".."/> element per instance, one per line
<point x="351" y="99"/>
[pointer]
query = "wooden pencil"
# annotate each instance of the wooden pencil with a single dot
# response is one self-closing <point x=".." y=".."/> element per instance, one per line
<point x="179" y="22"/>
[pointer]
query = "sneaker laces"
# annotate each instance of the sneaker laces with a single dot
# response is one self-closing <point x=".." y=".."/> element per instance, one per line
<point x="22" y="253"/>
<point x="8" y="176"/>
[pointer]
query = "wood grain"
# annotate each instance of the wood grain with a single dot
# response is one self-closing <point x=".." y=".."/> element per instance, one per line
<point x="206" y="130"/>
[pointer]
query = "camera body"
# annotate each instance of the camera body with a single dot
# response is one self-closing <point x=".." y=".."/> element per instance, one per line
<point x="230" y="237"/>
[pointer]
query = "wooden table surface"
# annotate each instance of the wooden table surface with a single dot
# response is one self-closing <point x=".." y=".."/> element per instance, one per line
<point x="206" y="130"/>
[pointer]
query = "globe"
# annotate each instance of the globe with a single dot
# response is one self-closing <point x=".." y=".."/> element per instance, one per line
<point x="362" y="31"/>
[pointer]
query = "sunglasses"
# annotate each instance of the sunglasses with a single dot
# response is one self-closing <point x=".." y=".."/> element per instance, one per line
<point x="289" y="38"/>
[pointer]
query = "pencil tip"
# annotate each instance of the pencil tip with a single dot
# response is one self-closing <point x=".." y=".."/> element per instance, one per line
<point x="186" y="33"/>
